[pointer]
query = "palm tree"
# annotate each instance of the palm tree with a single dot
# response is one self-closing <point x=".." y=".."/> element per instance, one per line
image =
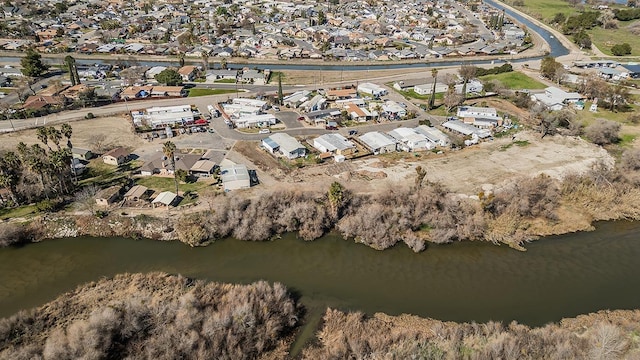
<point x="205" y="60"/>
<point x="169" y="150"/>
<point x="54" y="135"/>
<point x="181" y="58"/>
<point x="432" y="99"/>
<point x="43" y="135"/>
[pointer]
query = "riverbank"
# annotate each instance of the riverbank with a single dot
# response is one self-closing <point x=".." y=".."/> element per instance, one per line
<point x="515" y="212"/>
<point x="165" y="316"/>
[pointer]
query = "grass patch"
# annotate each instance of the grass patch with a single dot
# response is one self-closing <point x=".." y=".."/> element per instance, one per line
<point x="160" y="184"/>
<point x="588" y="117"/>
<point x="521" y="143"/>
<point x="225" y="81"/>
<point x="6" y="90"/>
<point x="545" y="9"/>
<point x="101" y="174"/>
<point x="626" y="140"/>
<point x="205" y="92"/>
<point x="604" y="39"/>
<point x="18" y="212"/>
<point x="515" y="80"/>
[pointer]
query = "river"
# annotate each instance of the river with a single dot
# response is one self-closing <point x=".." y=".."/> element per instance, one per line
<point x="557" y="277"/>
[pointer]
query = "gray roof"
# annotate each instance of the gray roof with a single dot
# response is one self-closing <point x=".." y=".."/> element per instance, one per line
<point x="376" y="140"/>
<point x="234" y="172"/>
<point x="334" y="142"/>
<point x="286" y="142"/>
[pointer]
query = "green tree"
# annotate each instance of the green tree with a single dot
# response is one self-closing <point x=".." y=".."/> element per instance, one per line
<point x="582" y="39"/>
<point x="205" y="60"/>
<point x="549" y="67"/>
<point x="466" y="72"/>
<point x="169" y="77"/>
<point x="70" y="63"/>
<point x="322" y="18"/>
<point x="336" y="196"/>
<point x="621" y="49"/>
<point x="181" y="58"/>
<point x="432" y="98"/>
<point x="169" y="150"/>
<point x="280" y="94"/>
<point x="32" y="65"/>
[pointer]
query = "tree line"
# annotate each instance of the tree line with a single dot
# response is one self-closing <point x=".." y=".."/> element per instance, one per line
<point x="34" y="173"/>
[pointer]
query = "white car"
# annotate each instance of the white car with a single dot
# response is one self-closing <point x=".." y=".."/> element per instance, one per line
<point x="264" y="131"/>
<point x="275" y="108"/>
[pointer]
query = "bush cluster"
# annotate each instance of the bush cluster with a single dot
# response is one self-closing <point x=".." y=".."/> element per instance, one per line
<point x="153" y="316"/>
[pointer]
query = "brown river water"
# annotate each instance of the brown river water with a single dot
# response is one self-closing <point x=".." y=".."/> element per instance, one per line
<point x="557" y="277"/>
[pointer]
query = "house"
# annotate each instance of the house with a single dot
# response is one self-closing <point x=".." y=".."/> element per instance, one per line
<point x="36" y="102"/>
<point x="160" y="116"/>
<point x="434" y="135"/>
<point x="410" y="140"/>
<point x="165" y="198"/>
<point x="470" y="113"/>
<point x="319" y="117"/>
<point x="466" y="129"/>
<point x="234" y="176"/>
<point x="633" y="70"/>
<point x="372" y="89"/>
<point x="81" y="154"/>
<point x="108" y="196"/>
<point x="213" y="75"/>
<point x="473" y="86"/>
<point x="555" y="99"/>
<point x="338" y="94"/>
<point x="378" y="142"/>
<point x="284" y="144"/>
<point x="334" y="143"/>
<point x="393" y="110"/>
<point x="357" y="113"/>
<point x="135" y="193"/>
<point x="188" y="72"/>
<point x="425" y="89"/>
<point x="202" y="168"/>
<point x="116" y="156"/>
<point x="167" y="91"/>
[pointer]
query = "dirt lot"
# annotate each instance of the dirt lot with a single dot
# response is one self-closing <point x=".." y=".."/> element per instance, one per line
<point x="463" y="171"/>
<point x="117" y="131"/>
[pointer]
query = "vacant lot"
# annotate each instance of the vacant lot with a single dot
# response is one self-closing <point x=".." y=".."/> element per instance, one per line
<point x="467" y="170"/>
<point x="545" y="9"/>
<point x="515" y="80"/>
<point x="604" y="39"/>
<point x="106" y="132"/>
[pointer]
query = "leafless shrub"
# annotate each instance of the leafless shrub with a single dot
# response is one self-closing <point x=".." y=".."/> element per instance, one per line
<point x="607" y="342"/>
<point x="153" y="316"/>
<point x="13" y="234"/>
<point x="603" y="132"/>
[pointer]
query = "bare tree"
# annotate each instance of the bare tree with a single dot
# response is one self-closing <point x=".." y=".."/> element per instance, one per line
<point x="603" y="132"/>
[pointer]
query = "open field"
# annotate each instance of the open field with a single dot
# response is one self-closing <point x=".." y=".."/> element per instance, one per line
<point x="544" y="9"/>
<point x="205" y="92"/>
<point x="604" y="39"/>
<point x="116" y="130"/>
<point x="515" y="80"/>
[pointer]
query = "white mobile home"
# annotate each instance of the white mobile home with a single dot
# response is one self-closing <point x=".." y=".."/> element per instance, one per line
<point x="378" y="143"/>
<point x="410" y="140"/>
<point x="334" y="143"/>
<point x="372" y="89"/>
<point x="284" y="144"/>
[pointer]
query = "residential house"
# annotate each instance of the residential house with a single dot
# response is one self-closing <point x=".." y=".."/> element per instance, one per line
<point x="340" y="94"/>
<point x="372" y="89"/>
<point x="202" y="168"/>
<point x="284" y="144"/>
<point x="556" y="99"/>
<point x="116" y="156"/>
<point x="460" y="127"/>
<point x="410" y="140"/>
<point x="334" y="143"/>
<point x="234" y="176"/>
<point x="188" y="72"/>
<point x="213" y="75"/>
<point x="378" y="142"/>
<point x="36" y="102"/>
<point x="473" y="86"/>
<point x="434" y="135"/>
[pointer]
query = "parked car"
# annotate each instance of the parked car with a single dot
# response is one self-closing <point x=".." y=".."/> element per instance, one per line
<point x="264" y="131"/>
<point x="352" y="132"/>
<point x="276" y="108"/>
<point x="331" y="127"/>
<point x="301" y="118"/>
<point x="211" y="131"/>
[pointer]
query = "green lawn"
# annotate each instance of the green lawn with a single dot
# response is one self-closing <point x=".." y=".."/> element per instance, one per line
<point x="18" y="212"/>
<point x="605" y="39"/>
<point x="226" y="81"/>
<point x="160" y="184"/>
<point x="204" y="92"/>
<point x="545" y="9"/>
<point x="515" y="80"/>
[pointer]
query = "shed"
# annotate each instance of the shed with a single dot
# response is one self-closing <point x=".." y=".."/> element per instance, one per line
<point x="165" y="198"/>
<point x="108" y="196"/>
<point x="82" y="154"/>
<point x="135" y="193"/>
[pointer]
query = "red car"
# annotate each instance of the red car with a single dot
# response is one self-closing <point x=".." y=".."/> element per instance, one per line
<point x="301" y="118"/>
